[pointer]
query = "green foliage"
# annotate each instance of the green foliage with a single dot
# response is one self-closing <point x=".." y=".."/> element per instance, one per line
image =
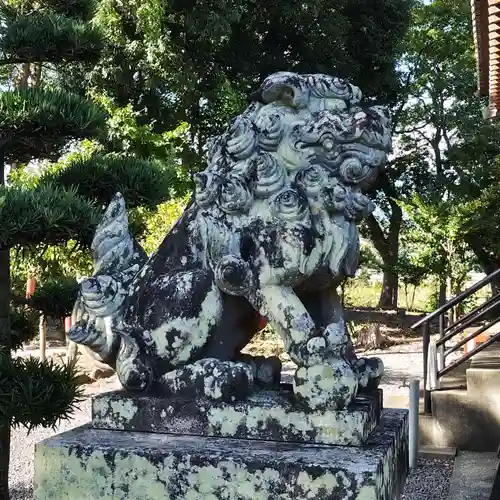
<point x="196" y="62"/>
<point x="159" y="222"/>
<point x="437" y="239"/>
<point x="362" y="292"/>
<point x="55" y="299"/>
<point x="45" y="214"/>
<point x="79" y="9"/>
<point x="432" y="302"/>
<point x="127" y="131"/>
<point x="480" y="219"/>
<point x="23" y="326"/>
<point x="47" y="36"/>
<point x="36" y="122"/>
<point x="49" y="263"/>
<point x="444" y="151"/>
<point x="98" y="177"/>
<point x="34" y="393"/>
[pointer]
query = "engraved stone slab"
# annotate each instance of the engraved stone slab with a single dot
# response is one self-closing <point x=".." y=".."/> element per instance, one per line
<point x="267" y="415"/>
<point x="87" y="463"/>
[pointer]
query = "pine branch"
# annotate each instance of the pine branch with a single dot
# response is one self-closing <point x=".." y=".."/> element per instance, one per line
<point x="48" y="36"/>
<point x="45" y="214"/>
<point x="141" y="182"/>
<point x="23" y="325"/>
<point x="55" y="299"/>
<point x="36" y="393"/>
<point x="34" y="121"/>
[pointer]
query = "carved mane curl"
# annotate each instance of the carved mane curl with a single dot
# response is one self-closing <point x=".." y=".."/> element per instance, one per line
<point x="306" y="135"/>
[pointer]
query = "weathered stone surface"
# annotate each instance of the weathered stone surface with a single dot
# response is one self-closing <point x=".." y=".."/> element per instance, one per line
<point x="87" y="464"/>
<point x="271" y="231"/>
<point x="266" y="415"/>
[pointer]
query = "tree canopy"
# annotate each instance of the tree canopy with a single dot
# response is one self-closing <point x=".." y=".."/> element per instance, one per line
<point x="443" y="149"/>
<point x="196" y="62"/>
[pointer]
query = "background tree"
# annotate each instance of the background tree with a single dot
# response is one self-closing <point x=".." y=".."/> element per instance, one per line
<point x="38" y="121"/>
<point x="436" y="121"/>
<point x="437" y="242"/>
<point x="196" y="62"/>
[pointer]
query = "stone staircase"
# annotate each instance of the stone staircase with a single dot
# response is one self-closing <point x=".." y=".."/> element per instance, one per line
<point x="466" y="407"/>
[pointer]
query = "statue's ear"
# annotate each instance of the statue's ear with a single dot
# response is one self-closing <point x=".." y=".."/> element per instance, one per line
<point x="289" y="88"/>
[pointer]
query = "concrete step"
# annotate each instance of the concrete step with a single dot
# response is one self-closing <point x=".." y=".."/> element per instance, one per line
<point x="483" y="382"/>
<point x="463" y="421"/>
<point x="473" y="476"/>
<point x="436" y="452"/>
<point x="489" y="358"/>
<point x="456" y="379"/>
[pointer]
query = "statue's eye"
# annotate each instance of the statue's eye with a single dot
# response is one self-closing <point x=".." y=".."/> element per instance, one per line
<point x="328" y="144"/>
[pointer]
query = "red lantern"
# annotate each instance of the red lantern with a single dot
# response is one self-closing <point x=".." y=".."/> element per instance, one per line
<point x="30" y="287"/>
<point x="67" y="323"/>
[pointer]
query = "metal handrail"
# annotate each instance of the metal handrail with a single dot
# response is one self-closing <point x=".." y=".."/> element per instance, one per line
<point x="470" y="317"/>
<point x="459" y="298"/>
<point x="469" y="355"/>
<point x="459" y="326"/>
<point x="479" y="315"/>
<point x="473" y="335"/>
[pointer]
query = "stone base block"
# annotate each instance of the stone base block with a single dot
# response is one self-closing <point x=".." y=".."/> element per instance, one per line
<point x="267" y="415"/>
<point x="89" y="464"/>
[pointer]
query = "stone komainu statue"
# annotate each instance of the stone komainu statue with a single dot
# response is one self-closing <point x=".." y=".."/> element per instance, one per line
<point x="270" y="230"/>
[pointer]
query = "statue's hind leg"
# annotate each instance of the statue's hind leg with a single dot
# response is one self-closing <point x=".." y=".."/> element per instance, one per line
<point x="236" y="328"/>
<point x="209" y="378"/>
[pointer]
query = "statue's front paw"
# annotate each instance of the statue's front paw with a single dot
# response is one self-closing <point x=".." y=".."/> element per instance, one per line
<point x="370" y="371"/>
<point x="310" y="352"/>
<point x="328" y="385"/>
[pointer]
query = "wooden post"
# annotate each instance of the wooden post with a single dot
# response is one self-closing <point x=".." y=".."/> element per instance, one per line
<point x="43" y="338"/>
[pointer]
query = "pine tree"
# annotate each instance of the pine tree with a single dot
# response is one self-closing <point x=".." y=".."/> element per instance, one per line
<point x="37" y="121"/>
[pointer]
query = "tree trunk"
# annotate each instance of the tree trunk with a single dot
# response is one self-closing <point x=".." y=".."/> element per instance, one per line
<point x="371" y="337"/>
<point x="387" y="245"/>
<point x="5" y="343"/>
<point x="22" y="80"/>
<point x="4" y="461"/>
<point x="442" y="291"/>
<point x="389" y="294"/>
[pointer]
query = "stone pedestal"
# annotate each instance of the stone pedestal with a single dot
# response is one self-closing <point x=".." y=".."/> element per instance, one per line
<point x="175" y="462"/>
<point x="267" y="415"/>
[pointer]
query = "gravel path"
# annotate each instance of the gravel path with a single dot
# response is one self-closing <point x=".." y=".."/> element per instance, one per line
<point x="429" y="481"/>
<point x="22" y="447"/>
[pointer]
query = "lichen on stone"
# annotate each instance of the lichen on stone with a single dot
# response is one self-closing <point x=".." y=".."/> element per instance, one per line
<point x="271" y="230"/>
